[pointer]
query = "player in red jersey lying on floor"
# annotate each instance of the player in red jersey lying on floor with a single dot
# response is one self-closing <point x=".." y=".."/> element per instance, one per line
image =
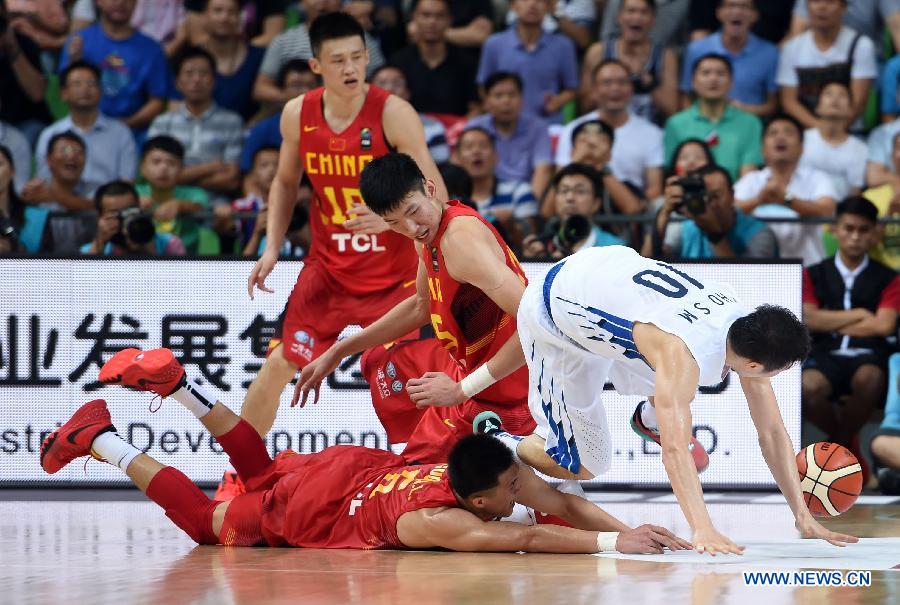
<point x="344" y="496"/>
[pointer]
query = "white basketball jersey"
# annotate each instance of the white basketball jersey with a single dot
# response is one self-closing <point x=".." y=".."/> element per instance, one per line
<point x="597" y="294"/>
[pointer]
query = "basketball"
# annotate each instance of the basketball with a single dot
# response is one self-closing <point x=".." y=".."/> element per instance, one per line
<point x="830" y="477"/>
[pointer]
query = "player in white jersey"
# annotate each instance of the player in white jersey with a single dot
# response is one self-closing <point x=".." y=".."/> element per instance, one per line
<point x="610" y="314"/>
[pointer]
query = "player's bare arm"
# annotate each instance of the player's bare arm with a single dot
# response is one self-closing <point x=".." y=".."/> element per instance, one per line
<point x="458" y="529"/>
<point x="407" y="316"/>
<point x="677" y="377"/>
<point x="778" y="452"/>
<point x="404" y="131"/>
<point x="282" y="195"/>
<point x="472" y="255"/>
<point x="537" y="494"/>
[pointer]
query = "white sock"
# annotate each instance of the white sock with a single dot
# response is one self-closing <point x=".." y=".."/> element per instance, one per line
<point x="115" y="450"/>
<point x="195" y="398"/>
<point x="572" y="486"/>
<point x="648" y="416"/>
<point x="510" y="441"/>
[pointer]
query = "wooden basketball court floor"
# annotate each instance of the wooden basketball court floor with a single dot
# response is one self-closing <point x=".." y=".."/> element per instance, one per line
<point x="122" y="549"/>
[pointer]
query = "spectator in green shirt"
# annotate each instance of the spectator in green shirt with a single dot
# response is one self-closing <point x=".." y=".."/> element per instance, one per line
<point x="173" y="205"/>
<point x="733" y="135"/>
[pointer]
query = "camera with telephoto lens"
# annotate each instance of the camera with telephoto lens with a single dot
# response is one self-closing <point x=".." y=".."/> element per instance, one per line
<point x="564" y="234"/>
<point x="136" y="227"/>
<point x="693" y="200"/>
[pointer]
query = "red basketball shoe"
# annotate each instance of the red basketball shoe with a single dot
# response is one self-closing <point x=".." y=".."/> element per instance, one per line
<point x="74" y="438"/>
<point x="701" y="458"/>
<point x="157" y="371"/>
<point x="230" y="487"/>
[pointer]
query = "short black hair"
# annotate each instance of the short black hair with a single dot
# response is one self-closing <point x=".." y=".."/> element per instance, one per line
<point x="68" y="135"/>
<point x="386" y="181"/>
<point x="755" y="3"/>
<point x="503" y="76"/>
<point x="716" y="57"/>
<point x="692" y="141"/>
<point x="264" y="148"/>
<point x="165" y="143"/>
<point x="300" y="66"/>
<point x="475" y="464"/>
<point x="857" y="206"/>
<point x="842" y="84"/>
<point x="192" y="52"/>
<point x="75" y="66"/>
<point x="783" y="117"/>
<point x="715" y="169"/>
<point x="589" y="172"/>
<point x="458" y="181"/>
<point x="609" y="61"/>
<point x="595" y="125"/>
<point x="480" y="129"/>
<point x="650" y="3"/>
<point x="118" y="187"/>
<point x="771" y="336"/>
<point x="333" y="26"/>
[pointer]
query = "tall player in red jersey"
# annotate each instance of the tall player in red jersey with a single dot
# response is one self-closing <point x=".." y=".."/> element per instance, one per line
<point x="468" y="288"/>
<point x="356" y="268"/>
<point x="344" y="496"/>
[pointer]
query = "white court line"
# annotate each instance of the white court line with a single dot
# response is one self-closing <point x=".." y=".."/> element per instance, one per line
<point x="867" y="554"/>
<point x="865" y="499"/>
<point x="671" y="499"/>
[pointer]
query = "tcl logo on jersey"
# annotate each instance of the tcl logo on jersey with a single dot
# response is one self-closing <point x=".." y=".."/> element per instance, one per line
<point x="357" y="242"/>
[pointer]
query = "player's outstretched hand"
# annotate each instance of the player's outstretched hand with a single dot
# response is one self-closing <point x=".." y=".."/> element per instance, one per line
<point x="649" y="540"/>
<point x="260" y="272"/>
<point x="312" y="376"/>
<point x="712" y="542"/>
<point x="810" y="528"/>
<point x="365" y="221"/>
<point x="435" y="389"/>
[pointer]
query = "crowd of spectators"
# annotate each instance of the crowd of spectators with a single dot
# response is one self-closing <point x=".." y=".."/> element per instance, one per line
<point x="683" y="128"/>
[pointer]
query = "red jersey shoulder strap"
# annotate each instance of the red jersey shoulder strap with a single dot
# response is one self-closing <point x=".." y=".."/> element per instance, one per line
<point x="311" y="110"/>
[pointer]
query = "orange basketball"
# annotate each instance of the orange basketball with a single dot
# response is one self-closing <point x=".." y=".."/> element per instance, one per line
<point x="830" y="477"/>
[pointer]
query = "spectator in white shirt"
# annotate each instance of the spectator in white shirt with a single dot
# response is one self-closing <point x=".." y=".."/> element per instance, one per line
<point x="829" y="147"/>
<point x="785" y="189"/>
<point x="637" y="152"/>
<point x="827" y="52"/>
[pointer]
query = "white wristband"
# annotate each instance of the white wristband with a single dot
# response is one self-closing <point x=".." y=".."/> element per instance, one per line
<point x="477" y="381"/>
<point x="606" y="541"/>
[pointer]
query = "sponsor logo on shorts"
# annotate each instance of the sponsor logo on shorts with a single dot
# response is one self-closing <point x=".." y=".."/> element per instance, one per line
<point x="391" y="370"/>
<point x="301" y="337"/>
<point x="382" y="384"/>
<point x="302" y="350"/>
<point x="397" y="386"/>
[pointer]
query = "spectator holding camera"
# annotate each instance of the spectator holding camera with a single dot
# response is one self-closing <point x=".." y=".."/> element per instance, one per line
<point x="714" y="227"/>
<point x="579" y="194"/>
<point x="786" y="189"/>
<point x="123" y="229"/>
<point x="172" y="206"/>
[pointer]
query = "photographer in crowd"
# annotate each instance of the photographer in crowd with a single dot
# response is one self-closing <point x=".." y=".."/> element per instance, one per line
<point x="579" y="192"/>
<point x="715" y="228"/>
<point x="124" y="229"/>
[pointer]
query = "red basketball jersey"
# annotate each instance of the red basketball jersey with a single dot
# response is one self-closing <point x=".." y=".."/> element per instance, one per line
<point x="471" y="325"/>
<point x="349" y="497"/>
<point x="333" y="161"/>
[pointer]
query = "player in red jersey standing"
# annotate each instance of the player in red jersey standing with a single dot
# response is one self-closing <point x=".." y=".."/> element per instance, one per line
<point x="468" y="288"/>
<point x="344" y="496"/>
<point x="356" y="268"/>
